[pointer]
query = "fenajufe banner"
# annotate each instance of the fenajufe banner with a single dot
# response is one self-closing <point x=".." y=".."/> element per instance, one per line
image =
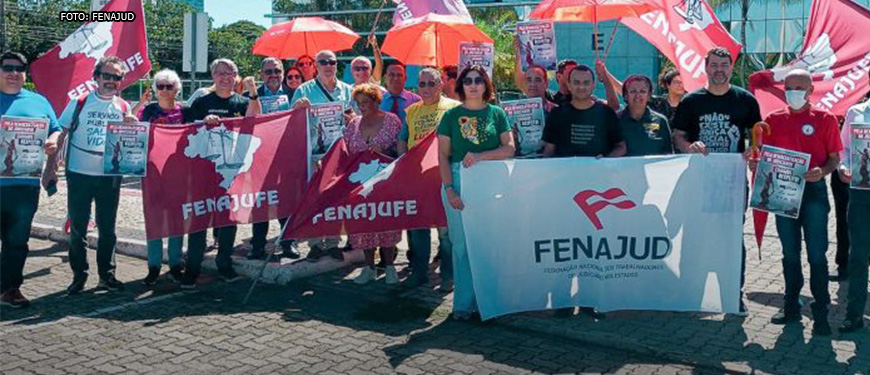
<point x="243" y="170"/>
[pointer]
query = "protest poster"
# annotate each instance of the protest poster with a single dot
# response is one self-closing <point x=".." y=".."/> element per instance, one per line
<point x="860" y="158"/>
<point x="779" y="181"/>
<point x="474" y="53"/>
<point x="326" y="125"/>
<point x="526" y="117"/>
<point x="274" y="103"/>
<point x="537" y="44"/>
<point x="126" y="152"/>
<point x="21" y="143"/>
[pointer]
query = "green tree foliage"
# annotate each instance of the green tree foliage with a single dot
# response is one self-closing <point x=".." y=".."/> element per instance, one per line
<point x="499" y="25"/>
<point x="234" y="42"/>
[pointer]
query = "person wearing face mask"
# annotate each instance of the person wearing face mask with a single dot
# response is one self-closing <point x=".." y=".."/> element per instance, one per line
<point x="803" y="128"/>
<point x="82" y="120"/>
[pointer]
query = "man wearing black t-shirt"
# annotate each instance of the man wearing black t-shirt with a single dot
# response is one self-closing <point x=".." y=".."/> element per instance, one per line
<point x="221" y="103"/>
<point x="584" y="126"/>
<point x="717" y="118"/>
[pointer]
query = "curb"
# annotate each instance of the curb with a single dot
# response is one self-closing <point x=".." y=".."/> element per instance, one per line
<point x="274" y="273"/>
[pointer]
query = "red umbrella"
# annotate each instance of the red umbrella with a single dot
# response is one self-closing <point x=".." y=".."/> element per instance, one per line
<point x="304" y="36"/>
<point x="432" y="40"/>
<point x="592" y="11"/>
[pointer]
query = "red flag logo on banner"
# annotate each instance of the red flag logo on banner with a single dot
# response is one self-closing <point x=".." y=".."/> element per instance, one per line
<point x="244" y="170"/>
<point x="369" y="193"/>
<point x="835" y="52"/>
<point x="684" y="30"/>
<point x="66" y="71"/>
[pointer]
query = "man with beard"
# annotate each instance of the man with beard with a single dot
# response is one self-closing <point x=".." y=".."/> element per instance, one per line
<point x="717" y="118"/>
<point x="84" y="121"/>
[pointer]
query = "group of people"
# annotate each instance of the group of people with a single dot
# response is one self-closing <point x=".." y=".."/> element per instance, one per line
<point x="459" y="107"/>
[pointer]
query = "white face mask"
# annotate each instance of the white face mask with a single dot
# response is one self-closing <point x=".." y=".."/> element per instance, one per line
<point x="796" y="99"/>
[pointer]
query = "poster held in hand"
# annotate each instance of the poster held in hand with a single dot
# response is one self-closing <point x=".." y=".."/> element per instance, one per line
<point x="537" y="44"/>
<point x="860" y="156"/>
<point x="275" y="103"/>
<point x="779" y="181"/>
<point x="22" y="142"/>
<point x="526" y="117"/>
<point x="326" y="125"/>
<point x="126" y="152"/>
<point x="474" y="53"/>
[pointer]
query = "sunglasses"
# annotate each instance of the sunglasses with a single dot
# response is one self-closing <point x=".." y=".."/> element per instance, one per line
<point x="424" y="84"/>
<point x="305" y="63"/>
<point x="273" y="72"/>
<point x="327" y="62"/>
<point x="294" y="76"/>
<point x="111" y="77"/>
<point x="14" y="68"/>
<point x="166" y="87"/>
<point x="361" y="68"/>
<point x="472" y="81"/>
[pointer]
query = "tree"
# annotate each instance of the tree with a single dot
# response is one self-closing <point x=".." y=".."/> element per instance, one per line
<point x="235" y="42"/>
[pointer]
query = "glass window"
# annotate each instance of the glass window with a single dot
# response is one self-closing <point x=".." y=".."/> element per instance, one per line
<point x="757" y="10"/>
<point x="773" y="36"/>
<point x="727" y="10"/>
<point x="794" y="35"/>
<point x="754" y="35"/>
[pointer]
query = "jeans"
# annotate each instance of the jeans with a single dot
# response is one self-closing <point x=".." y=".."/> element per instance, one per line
<point x="155" y="252"/>
<point x="463" y="288"/>
<point x="420" y="242"/>
<point x="17" y="207"/>
<point x="813" y="222"/>
<point x="104" y="192"/>
<point x="840" y="190"/>
<point x="196" y="250"/>
<point x="859" y="222"/>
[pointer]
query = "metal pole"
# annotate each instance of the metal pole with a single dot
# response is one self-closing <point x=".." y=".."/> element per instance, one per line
<point x="193" y="23"/>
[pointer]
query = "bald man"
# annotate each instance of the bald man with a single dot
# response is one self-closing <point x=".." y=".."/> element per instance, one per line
<point x="803" y="128"/>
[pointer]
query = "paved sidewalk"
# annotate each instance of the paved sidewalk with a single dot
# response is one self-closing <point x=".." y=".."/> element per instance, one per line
<point x="327" y="324"/>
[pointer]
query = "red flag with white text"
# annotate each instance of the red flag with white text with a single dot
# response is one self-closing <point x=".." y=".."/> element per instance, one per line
<point x="368" y="193"/>
<point x="243" y="170"/>
<point x="684" y="30"/>
<point x="837" y="53"/>
<point x="66" y="71"/>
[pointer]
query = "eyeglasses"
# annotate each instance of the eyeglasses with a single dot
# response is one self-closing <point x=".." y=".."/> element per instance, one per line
<point x="327" y="62"/>
<point x="166" y="87"/>
<point x="305" y="63"/>
<point x="294" y="76"/>
<point x="111" y="77"/>
<point x="14" y="68"/>
<point x="361" y="68"/>
<point x="424" y="84"/>
<point x="472" y="81"/>
<point x="273" y="72"/>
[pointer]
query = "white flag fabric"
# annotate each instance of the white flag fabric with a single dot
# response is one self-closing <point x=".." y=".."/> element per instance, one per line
<point x="651" y="233"/>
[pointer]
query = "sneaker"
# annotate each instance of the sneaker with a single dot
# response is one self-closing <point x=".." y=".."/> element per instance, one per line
<point x="392" y="276"/>
<point x="851" y="325"/>
<point x="14" y="299"/>
<point x="188" y="282"/>
<point x="821" y="327"/>
<point x="110" y="283"/>
<point x="258" y="254"/>
<point x="367" y="274"/>
<point x="290" y="251"/>
<point x="229" y="275"/>
<point x="315" y="254"/>
<point x="77" y="285"/>
<point x="153" y="274"/>
<point x="782" y="318"/>
<point x="336" y="253"/>
<point x="176" y="273"/>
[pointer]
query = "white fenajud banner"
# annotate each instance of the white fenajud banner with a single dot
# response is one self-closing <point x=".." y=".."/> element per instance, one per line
<point x="652" y="233"/>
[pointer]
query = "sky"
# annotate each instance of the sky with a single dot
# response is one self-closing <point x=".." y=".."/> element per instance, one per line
<point x="228" y="11"/>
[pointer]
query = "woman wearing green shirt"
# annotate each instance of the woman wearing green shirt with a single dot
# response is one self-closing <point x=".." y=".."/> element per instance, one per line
<point x="467" y="134"/>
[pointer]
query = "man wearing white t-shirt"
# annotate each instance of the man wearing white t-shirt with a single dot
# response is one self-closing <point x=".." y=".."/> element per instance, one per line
<point x="84" y="125"/>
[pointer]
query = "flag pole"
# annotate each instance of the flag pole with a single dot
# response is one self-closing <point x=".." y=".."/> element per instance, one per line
<point x="612" y="36"/>
<point x="377" y="18"/>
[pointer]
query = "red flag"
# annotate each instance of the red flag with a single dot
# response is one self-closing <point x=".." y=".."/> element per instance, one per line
<point x="835" y="51"/>
<point x="684" y="31"/>
<point x="409" y="11"/>
<point x="66" y="71"/>
<point x="244" y="170"/>
<point x="368" y="193"/>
